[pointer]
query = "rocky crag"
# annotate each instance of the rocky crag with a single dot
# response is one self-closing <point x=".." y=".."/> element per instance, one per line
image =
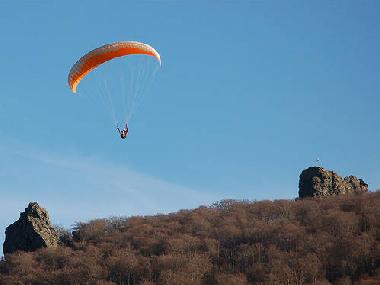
<point x="31" y="231"/>
<point x="320" y="182"/>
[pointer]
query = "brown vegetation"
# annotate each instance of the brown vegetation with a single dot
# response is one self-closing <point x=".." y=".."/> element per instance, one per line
<point x="312" y="241"/>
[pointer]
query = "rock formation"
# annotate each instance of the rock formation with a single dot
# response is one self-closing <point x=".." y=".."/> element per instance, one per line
<point x="31" y="231"/>
<point x="320" y="182"/>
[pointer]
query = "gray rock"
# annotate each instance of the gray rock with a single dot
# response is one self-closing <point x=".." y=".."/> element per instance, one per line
<point x="320" y="182"/>
<point x="31" y="231"/>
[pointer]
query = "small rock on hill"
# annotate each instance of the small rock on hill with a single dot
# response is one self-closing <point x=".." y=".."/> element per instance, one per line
<point x="320" y="182"/>
<point x="31" y="231"/>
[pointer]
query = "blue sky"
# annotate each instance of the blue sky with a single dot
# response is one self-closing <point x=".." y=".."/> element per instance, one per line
<point x="249" y="94"/>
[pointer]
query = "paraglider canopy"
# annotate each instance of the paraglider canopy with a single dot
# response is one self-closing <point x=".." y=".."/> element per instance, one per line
<point x="102" y="54"/>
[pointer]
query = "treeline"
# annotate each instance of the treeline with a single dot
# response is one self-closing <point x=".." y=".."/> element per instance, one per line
<point x="334" y="240"/>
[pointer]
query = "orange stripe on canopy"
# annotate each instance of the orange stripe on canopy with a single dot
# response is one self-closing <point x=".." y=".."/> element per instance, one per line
<point x="102" y="54"/>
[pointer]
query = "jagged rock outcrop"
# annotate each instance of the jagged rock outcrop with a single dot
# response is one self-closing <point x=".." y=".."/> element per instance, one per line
<point x="320" y="182"/>
<point x="31" y="231"/>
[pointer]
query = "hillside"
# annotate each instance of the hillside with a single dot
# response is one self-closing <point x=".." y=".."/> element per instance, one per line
<point x="312" y="241"/>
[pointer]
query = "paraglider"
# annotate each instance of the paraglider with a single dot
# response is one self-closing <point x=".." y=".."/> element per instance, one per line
<point x="101" y="55"/>
<point x="123" y="133"/>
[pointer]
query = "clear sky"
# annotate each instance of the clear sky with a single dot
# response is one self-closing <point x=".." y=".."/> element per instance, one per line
<point x="249" y="94"/>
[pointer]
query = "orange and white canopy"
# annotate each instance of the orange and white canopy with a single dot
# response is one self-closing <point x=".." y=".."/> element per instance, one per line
<point x="102" y="54"/>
